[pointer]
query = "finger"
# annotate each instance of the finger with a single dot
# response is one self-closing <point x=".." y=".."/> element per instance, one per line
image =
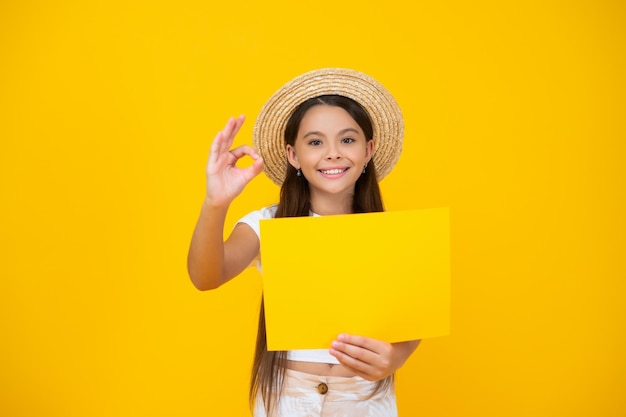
<point x="233" y="126"/>
<point x="358" y="372"/>
<point x="364" y="370"/>
<point x="373" y="345"/>
<point x="227" y="138"/>
<point x="244" y="150"/>
<point x="254" y="169"/>
<point x="238" y="123"/>
<point x="217" y="145"/>
<point x="356" y="352"/>
<point x="227" y="135"/>
<point x="215" y="148"/>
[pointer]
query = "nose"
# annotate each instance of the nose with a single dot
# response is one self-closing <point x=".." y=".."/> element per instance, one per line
<point x="333" y="153"/>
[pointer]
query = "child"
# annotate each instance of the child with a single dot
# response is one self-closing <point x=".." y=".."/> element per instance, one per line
<point x="326" y="138"/>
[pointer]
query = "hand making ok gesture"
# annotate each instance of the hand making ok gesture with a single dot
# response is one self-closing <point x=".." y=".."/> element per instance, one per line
<point x="225" y="180"/>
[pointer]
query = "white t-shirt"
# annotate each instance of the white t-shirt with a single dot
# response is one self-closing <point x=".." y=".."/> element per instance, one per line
<point x="310" y="355"/>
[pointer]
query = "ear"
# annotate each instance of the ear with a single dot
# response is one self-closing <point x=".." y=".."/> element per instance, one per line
<point x="369" y="150"/>
<point x="291" y="157"/>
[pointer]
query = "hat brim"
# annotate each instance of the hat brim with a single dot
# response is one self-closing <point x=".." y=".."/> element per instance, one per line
<point x="384" y="112"/>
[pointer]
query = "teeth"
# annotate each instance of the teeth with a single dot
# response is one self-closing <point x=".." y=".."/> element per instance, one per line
<point x="332" y="171"/>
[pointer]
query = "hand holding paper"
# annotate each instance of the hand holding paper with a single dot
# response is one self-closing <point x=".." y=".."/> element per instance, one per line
<point x="369" y="358"/>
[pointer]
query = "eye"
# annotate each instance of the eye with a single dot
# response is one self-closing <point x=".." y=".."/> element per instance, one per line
<point x="347" y="140"/>
<point x="315" y="142"/>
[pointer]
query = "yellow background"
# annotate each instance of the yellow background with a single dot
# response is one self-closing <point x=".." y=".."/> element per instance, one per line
<point x="514" y="118"/>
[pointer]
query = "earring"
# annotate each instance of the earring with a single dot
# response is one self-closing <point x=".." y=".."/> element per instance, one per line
<point x="299" y="172"/>
<point x="364" y="168"/>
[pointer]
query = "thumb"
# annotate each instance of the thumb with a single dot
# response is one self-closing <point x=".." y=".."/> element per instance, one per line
<point x="254" y="169"/>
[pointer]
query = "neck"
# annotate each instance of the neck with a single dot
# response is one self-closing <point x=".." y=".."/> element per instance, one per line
<point x="331" y="204"/>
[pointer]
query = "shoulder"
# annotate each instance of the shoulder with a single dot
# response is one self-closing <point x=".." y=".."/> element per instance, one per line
<point x="264" y="213"/>
<point x="252" y="219"/>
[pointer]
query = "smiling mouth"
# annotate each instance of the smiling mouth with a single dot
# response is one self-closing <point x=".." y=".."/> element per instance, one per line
<point x="334" y="171"/>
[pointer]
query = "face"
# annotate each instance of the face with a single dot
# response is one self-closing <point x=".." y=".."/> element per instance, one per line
<point x="330" y="149"/>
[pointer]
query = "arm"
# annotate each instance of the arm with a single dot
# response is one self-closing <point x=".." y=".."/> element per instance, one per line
<point x="211" y="262"/>
<point x="369" y="358"/>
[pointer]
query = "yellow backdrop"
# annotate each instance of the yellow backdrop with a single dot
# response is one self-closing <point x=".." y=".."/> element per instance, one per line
<point x="514" y="119"/>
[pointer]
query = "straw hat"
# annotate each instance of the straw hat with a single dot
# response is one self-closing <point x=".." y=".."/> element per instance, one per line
<point x="384" y="112"/>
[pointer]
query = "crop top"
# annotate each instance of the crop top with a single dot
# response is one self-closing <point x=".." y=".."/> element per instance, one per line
<point x="307" y="355"/>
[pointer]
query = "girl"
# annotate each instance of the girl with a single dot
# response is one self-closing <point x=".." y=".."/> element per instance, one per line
<point x="326" y="138"/>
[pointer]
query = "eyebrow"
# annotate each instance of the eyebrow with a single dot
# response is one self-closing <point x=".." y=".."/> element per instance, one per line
<point x="341" y="132"/>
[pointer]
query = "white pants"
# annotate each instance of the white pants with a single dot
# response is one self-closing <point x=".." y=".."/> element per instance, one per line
<point x="307" y="395"/>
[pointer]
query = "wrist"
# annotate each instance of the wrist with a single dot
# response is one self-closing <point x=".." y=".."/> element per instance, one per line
<point x="215" y="205"/>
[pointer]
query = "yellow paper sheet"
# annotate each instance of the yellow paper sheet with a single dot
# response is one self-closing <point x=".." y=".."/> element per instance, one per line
<point x="381" y="275"/>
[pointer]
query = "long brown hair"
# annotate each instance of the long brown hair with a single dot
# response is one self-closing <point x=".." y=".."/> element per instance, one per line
<point x="268" y="368"/>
